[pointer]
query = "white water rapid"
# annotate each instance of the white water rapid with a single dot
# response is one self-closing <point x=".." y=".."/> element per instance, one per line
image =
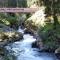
<point x="24" y="51"/>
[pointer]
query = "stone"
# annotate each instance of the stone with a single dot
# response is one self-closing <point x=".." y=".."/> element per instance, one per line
<point x="9" y="37"/>
<point x="57" y="50"/>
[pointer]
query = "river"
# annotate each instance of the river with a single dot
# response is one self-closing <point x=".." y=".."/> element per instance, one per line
<point x="24" y="51"/>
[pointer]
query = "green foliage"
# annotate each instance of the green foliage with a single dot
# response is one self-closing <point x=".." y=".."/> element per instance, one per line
<point x="31" y="2"/>
<point x="52" y="5"/>
<point x="50" y="36"/>
<point x="17" y="3"/>
<point x="22" y="3"/>
<point x="13" y="3"/>
<point x="9" y="20"/>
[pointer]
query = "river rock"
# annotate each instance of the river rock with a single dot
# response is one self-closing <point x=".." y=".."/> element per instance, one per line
<point x="28" y="31"/>
<point x="4" y="28"/>
<point x="40" y="45"/>
<point x="57" y="52"/>
<point x="8" y="37"/>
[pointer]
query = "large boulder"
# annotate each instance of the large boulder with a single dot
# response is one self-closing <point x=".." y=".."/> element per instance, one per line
<point x="4" y="28"/>
<point x="38" y="44"/>
<point x="9" y="37"/>
<point x="57" y="52"/>
<point x="28" y="31"/>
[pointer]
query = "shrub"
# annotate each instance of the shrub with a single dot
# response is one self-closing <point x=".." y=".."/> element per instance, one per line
<point x="50" y="36"/>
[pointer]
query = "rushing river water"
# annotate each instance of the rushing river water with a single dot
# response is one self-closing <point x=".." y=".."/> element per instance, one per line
<point x="24" y="51"/>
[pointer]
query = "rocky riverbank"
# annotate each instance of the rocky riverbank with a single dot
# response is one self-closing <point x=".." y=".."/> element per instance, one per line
<point x="43" y="29"/>
<point x="7" y="35"/>
<point x="47" y="39"/>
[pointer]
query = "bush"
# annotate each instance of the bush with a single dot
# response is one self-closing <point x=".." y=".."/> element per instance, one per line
<point x="50" y="36"/>
<point x="9" y="20"/>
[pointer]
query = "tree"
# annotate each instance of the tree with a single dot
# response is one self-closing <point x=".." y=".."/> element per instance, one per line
<point x="12" y="3"/>
<point x="52" y="8"/>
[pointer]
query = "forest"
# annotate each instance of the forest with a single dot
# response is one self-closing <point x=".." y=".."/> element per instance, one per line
<point x="43" y="25"/>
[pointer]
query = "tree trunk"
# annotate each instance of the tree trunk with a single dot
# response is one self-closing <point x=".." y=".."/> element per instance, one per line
<point x="55" y="20"/>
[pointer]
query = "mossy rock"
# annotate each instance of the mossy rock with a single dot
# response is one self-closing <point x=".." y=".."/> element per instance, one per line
<point x="9" y="37"/>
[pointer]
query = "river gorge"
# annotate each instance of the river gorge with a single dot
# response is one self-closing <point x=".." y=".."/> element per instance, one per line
<point x="23" y="49"/>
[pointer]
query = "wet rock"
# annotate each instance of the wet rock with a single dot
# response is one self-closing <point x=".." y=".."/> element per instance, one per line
<point x="58" y="56"/>
<point x="9" y="37"/>
<point x="42" y="48"/>
<point x="28" y="31"/>
<point x="4" y="28"/>
<point x="34" y="45"/>
<point x="2" y="53"/>
<point x="38" y="43"/>
<point x="5" y="55"/>
<point x="1" y="58"/>
<point x="57" y="50"/>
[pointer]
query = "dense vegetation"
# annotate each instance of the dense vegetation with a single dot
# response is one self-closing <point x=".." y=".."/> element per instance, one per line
<point x="49" y="32"/>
